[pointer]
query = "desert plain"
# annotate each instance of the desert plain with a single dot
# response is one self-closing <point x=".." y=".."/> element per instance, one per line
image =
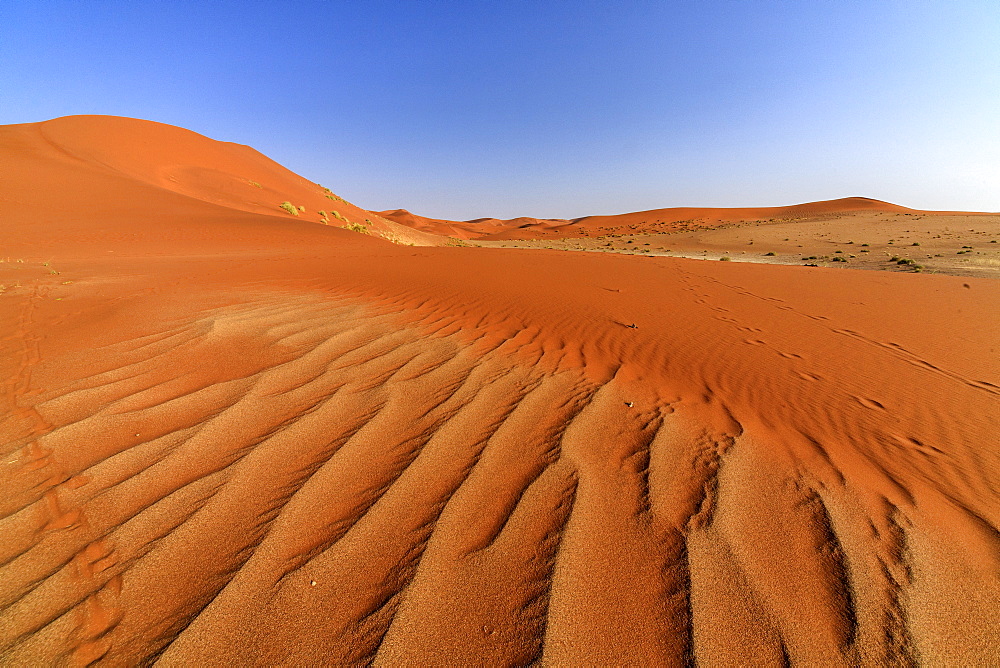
<point x="240" y="434"/>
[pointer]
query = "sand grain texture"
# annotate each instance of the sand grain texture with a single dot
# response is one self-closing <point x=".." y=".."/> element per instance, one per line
<point x="231" y="436"/>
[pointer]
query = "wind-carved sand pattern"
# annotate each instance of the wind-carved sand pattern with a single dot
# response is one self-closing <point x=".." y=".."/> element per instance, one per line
<point x="331" y="480"/>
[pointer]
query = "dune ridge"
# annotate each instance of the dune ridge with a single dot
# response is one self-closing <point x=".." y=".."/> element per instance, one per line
<point x="653" y="220"/>
<point x="276" y="442"/>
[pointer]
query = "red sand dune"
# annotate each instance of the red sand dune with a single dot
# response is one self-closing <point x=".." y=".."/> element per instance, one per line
<point x="655" y="220"/>
<point x="232" y="436"/>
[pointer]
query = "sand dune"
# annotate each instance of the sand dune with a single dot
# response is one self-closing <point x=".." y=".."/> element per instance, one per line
<point x="651" y="221"/>
<point x="235" y="436"/>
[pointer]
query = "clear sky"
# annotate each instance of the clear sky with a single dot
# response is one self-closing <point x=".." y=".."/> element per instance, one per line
<point x="562" y="109"/>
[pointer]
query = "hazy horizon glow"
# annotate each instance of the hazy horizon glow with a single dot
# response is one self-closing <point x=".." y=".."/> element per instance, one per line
<point x="464" y="110"/>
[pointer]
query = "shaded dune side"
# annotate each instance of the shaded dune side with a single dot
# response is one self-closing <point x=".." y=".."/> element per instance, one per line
<point x="400" y="479"/>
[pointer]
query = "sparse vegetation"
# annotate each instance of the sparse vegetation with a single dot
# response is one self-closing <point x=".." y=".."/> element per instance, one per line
<point x="770" y="254"/>
<point x="290" y="208"/>
<point x="255" y="184"/>
<point x="355" y="227"/>
<point x="725" y="258"/>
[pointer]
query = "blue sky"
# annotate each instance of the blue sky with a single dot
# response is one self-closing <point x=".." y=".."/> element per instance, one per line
<point x="562" y="109"/>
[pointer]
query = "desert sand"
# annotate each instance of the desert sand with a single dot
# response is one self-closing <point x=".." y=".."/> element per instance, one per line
<point x="237" y="436"/>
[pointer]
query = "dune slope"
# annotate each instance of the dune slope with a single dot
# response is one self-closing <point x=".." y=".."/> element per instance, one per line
<point x="234" y="438"/>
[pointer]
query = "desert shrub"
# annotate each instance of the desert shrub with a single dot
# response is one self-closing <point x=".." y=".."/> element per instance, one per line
<point x="769" y="254"/>
<point x="356" y="227"/>
<point x="290" y="208"/>
<point x="839" y="259"/>
<point x="725" y="258"/>
<point x="255" y="184"/>
<point x="915" y="243"/>
<point x="302" y="209"/>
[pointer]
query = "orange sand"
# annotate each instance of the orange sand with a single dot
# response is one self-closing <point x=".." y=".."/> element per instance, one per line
<point x="237" y="436"/>
<point x="655" y="221"/>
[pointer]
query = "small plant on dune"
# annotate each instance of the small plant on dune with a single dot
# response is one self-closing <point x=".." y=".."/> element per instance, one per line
<point x="302" y="209"/>
<point x="769" y="254"/>
<point x="915" y="243"/>
<point x="290" y="208"/>
<point x="335" y="198"/>
<point x="336" y="214"/>
<point x="839" y="259"/>
<point x="356" y="227"/>
<point x="330" y="195"/>
<point x="255" y="184"/>
<point x="725" y="258"/>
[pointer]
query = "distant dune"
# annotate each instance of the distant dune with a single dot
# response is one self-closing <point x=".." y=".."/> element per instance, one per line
<point x="678" y="218"/>
<point x="234" y="435"/>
